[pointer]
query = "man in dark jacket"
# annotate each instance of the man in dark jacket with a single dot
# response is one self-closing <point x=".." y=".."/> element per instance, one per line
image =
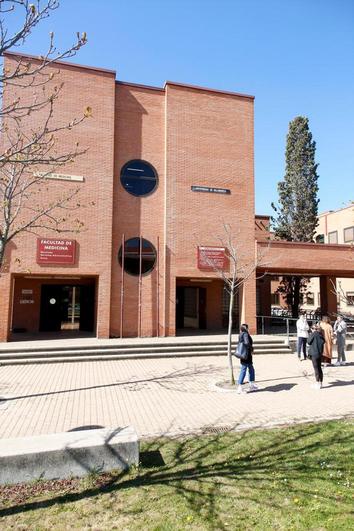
<point x="316" y="342"/>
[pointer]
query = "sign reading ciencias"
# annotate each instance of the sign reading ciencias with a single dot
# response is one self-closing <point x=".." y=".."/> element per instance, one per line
<point x="52" y="251"/>
<point x="211" y="258"/>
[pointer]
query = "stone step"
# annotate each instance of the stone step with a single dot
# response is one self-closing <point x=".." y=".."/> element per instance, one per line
<point x="135" y="346"/>
<point x="82" y="356"/>
<point x="139" y="350"/>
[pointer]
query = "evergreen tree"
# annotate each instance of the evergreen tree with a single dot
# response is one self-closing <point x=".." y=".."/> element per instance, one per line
<point x="297" y="213"/>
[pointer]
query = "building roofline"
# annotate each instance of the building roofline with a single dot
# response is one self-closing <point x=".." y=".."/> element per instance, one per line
<point x="139" y="85"/>
<point x="207" y="89"/>
<point x="262" y="216"/>
<point x="59" y="62"/>
<point x="327" y="212"/>
<point x="279" y="243"/>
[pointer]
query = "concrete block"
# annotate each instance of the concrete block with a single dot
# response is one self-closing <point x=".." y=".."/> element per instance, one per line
<point x="70" y="454"/>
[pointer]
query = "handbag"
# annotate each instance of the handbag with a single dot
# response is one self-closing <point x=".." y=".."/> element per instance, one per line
<point x="241" y="352"/>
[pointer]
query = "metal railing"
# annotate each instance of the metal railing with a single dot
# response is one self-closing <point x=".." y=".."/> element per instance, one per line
<point x="286" y="326"/>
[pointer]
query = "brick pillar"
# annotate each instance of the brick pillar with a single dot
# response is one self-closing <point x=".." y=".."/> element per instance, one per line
<point x="248" y="304"/>
<point x="103" y="293"/>
<point x="264" y="304"/>
<point x="5" y="306"/>
<point x="328" y="296"/>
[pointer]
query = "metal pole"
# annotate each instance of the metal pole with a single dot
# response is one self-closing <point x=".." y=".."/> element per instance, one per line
<point x="140" y="268"/>
<point x="262" y="325"/>
<point x="73" y="303"/>
<point x="122" y="288"/>
<point x="287" y="330"/>
<point x="158" y="287"/>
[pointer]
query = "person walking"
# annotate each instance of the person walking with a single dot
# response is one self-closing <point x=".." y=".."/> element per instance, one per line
<point x="316" y="343"/>
<point x="340" y="332"/>
<point x="247" y="363"/>
<point x="302" y="328"/>
<point x="325" y="324"/>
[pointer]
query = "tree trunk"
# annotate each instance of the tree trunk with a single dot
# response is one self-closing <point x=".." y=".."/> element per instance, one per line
<point x="229" y="337"/>
<point x="2" y="253"/>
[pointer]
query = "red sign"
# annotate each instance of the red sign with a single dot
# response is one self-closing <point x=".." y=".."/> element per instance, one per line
<point x="211" y="258"/>
<point x="52" y="251"/>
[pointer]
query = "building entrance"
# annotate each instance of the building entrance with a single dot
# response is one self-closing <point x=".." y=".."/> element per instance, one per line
<point x="65" y="307"/>
<point x="191" y="307"/>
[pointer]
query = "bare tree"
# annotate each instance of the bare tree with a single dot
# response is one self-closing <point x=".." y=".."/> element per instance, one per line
<point x="30" y="134"/>
<point x="240" y="270"/>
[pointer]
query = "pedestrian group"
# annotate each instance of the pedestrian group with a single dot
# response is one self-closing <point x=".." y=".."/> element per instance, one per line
<point x="319" y="339"/>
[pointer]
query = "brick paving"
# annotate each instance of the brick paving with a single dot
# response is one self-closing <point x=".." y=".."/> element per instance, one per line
<point x="167" y="396"/>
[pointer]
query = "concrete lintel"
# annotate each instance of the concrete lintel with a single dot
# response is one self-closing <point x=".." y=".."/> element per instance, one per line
<point x="69" y="454"/>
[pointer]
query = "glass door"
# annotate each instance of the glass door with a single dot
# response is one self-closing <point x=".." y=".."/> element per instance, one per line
<point x="71" y="308"/>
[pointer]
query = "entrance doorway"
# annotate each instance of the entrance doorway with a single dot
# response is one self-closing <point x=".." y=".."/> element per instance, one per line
<point x="67" y="307"/>
<point x="191" y="307"/>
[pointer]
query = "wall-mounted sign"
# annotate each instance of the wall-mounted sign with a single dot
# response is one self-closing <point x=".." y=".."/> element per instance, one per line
<point x="51" y="251"/>
<point x="211" y="258"/>
<point x="59" y="176"/>
<point x="27" y="291"/>
<point x="26" y="301"/>
<point x="209" y="189"/>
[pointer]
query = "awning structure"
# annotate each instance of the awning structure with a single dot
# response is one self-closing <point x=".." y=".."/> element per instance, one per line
<point x="308" y="259"/>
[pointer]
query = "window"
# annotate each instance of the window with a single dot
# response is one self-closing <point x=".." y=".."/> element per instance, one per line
<point x="350" y="298"/>
<point x="132" y="249"/>
<point x="348" y="235"/>
<point x="310" y="298"/>
<point x="138" y="178"/>
<point x="275" y="299"/>
<point x="333" y="237"/>
<point x="320" y="238"/>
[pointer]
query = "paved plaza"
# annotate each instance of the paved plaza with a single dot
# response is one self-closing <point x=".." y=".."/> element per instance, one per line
<point x="167" y="396"/>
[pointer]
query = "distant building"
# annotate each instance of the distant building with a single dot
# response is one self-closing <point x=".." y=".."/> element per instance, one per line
<point x="335" y="227"/>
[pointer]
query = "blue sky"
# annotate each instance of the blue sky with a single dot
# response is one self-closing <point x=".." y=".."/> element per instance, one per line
<point x="295" y="56"/>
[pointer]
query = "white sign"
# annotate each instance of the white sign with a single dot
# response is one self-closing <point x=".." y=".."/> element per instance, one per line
<point x="26" y="301"/>
<point x="59" y="176"/>
<point x="27" y="291"/>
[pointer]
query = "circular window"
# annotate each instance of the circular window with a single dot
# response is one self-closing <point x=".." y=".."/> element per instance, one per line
<point x="132" y="250"/>
<point x="138" y="177"/>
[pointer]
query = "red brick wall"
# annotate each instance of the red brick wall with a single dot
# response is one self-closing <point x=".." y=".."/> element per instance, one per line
<point x="139" y="134"/>
<point x="311" y="259"/>
<point x="82" y="87"/>
<point x="209" y="141"/>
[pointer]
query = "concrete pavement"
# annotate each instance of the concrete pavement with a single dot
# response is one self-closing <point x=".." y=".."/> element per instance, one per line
<point x="167" y="396"/>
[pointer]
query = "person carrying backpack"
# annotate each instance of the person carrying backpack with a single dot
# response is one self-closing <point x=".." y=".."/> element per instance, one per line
<point x="244" y="353"/>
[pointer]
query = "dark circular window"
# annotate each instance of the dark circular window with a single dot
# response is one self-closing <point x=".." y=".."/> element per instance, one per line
<point x="132" y="249"/>
<point x="138" y="177"/>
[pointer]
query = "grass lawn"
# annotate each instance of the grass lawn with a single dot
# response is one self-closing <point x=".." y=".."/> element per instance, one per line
<point x="300" y="477"/>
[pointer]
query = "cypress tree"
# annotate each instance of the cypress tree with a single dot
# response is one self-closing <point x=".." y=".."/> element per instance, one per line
<point x="297" y="212"/>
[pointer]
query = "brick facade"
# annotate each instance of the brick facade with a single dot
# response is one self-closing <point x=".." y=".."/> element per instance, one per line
<point x="192" y="137"/>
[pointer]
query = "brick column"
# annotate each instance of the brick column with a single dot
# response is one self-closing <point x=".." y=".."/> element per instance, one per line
<point x="248" y="304"/>
<point x="5" y="305"/>
<point x="264" y="296"/>
<point x="328" y="296"/>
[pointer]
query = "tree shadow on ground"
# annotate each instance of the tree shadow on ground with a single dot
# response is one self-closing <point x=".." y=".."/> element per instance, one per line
<point x="278" y="387"/>
<point x="177" y="380"/>
<point x="201" y="470"/>
<point x="340" y="383"/>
